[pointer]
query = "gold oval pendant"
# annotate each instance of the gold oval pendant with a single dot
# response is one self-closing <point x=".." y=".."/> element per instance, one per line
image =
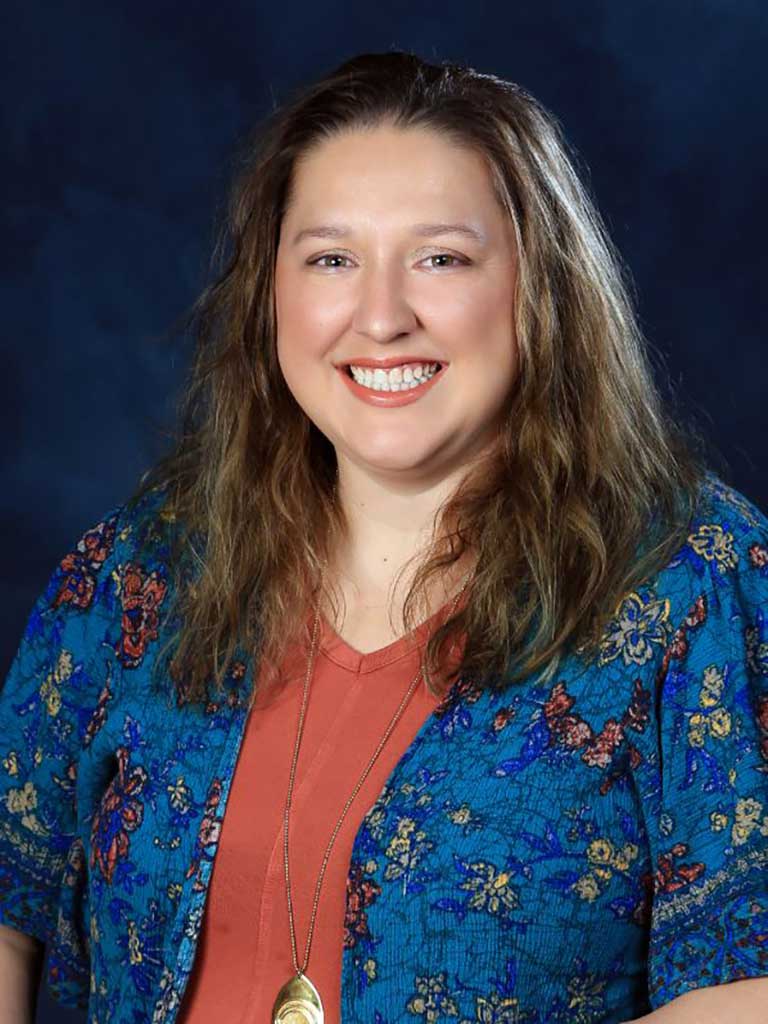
<point x="298" y="1002"/>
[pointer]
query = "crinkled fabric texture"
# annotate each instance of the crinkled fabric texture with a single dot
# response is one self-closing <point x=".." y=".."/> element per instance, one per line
<point x="580" y="851"/>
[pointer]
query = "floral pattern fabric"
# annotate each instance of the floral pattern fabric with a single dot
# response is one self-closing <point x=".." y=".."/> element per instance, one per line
<point x="579" y="851"/>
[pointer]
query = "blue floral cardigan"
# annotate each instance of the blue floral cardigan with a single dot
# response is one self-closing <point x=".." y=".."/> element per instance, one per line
<point x="580" y="851"/>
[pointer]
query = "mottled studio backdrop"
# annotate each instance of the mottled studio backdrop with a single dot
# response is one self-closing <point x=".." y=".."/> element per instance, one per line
<point x="119" y="122"/>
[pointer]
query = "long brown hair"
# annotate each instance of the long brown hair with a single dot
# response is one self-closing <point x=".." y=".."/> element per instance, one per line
<point x="593" y="482"/>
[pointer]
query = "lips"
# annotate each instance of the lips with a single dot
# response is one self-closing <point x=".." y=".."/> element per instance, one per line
<point x="387" y="364"/>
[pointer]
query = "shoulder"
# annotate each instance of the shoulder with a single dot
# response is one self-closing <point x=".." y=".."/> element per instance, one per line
<point x="718" y="572"/>
<point x="118" y="564"/>
<point x="727" y="529"/>
<point x="724" y="552"/>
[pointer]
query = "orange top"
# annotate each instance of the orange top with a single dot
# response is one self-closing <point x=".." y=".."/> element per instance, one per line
<point x="243" y="956"/>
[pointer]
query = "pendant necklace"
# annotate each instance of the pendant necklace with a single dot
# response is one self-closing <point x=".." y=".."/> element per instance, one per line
<point x="298" y="1001"/>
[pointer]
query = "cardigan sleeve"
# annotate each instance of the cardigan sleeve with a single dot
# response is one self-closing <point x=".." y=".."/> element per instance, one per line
<point x="51" y="703"/>
<point x="708" y="820"/>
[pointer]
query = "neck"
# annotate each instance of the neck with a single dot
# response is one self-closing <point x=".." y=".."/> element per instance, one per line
<point x="388" y="523"/>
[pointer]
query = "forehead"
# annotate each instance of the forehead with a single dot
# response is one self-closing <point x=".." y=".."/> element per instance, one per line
<point x="387" y="169"/>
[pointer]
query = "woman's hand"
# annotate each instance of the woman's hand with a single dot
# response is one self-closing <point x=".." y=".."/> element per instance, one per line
<point x="736" y="1002"/>
<point x="21" y="963"/>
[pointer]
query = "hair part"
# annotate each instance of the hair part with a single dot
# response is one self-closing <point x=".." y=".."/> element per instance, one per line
<point x="588" y="492"/>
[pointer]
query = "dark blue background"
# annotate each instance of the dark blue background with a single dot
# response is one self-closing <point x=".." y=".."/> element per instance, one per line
<point x="119" y="122"/>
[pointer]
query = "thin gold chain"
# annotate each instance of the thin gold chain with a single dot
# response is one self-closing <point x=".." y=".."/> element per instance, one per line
<point x="353" y="794"/>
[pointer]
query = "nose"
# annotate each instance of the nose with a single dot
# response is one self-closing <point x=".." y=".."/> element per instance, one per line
<point x="382" y="312"/>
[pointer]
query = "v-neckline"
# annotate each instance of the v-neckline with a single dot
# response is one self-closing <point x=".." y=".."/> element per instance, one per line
<point x="334" y="647"/>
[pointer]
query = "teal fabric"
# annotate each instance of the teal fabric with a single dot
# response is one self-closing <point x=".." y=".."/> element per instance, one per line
<point x="577" y="851"/>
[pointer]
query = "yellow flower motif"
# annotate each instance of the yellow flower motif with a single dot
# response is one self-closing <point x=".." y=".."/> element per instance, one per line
<point x="375" y="820"/>
<point x="431" y="1000"/>
<point x="370" y="969"/>
<point x="174" y="890"/>
<point x="179" y="794"/>
<point x="714" y="544"/>
<point x="53" y="701"/>
<point x="600" y="851"/>
<point x="719" y="723"/>
<point x="638" y="628"/>
<point x="63" y="669"/>
<point x="741" y="831"/>
<point x="718" y="821"/>
<point x="11" y="763"/>
<point x="732" y="776"/>
<point x="496" y="1009"/>
<point x="491" y="890"/>
<point x="135" y="953"/>
<point x="370" y="867"/>
<point x="24" y="801"/>
<point x="38" y="756"/>
<point x="711" y="686"/>
<point x="586" y="997"/>
<point x="49" y="688"/>
<point x="405" y="848"/>
<point x="747" y="818"/>
<point x="20" y="801"/>
<point x="587" y="888"/>
<point x="461" y="815"/>
<point x="625" y="856"/>
<point x="697" y="726"/>
<point x="748" y="808"/>
<point x="602" y="874"/>
<point x="400" y="843"/>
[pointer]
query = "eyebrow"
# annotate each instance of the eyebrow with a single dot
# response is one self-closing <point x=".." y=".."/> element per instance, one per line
<point x="422" y="230"/>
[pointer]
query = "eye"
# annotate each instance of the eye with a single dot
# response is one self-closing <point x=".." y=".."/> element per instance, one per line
<point x="317" y="261"/>
<point x="447" y="256"/>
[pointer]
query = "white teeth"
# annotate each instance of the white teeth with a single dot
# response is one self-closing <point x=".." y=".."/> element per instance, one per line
<point x="399" y="378"/>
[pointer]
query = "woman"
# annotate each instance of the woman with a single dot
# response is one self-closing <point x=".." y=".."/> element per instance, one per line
<point x="426" y="678"/>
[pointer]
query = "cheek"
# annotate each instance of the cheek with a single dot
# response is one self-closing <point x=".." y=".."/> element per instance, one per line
<point x="485" y="327"/>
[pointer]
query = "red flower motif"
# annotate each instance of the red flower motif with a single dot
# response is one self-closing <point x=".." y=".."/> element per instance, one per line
<point x="671" y="876"/>
<point x="601" y="750"/>
<point x="208" y="834"/>
<point x="574" y="733"/>
<point x="80" y="566"/>
<point x="762" y="723"/>
<point x="697" y="613"/>
<point x="569" y="731"/>
<point x="678" y="647"/>
<point x="99" y="716"/>
<point x="502" y="718"/>
<point x="119" y="813"/>
<point x="141" y="596"/>
<point x="361" y="893"/>
<point x="758" y="556"/>
<point x="462" y="690"/>
<point x="637" y="714"/>
<point x="560" y="701"/>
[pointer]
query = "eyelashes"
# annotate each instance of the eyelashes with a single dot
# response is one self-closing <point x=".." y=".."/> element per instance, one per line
<point x="457" y="260"/>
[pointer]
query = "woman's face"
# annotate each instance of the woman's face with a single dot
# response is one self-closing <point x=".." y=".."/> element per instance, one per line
<point x="367" y="271"/>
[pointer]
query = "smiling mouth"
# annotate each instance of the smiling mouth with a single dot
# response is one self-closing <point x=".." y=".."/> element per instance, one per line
<point x="392" y="397"/>
<point x="402" y="385"/>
